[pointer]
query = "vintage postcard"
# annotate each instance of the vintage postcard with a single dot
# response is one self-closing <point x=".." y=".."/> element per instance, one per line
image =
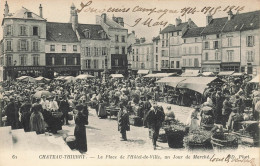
<point x="129" y="82"/>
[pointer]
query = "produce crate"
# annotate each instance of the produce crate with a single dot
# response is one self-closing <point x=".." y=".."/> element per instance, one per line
<point x="135" y="121"/>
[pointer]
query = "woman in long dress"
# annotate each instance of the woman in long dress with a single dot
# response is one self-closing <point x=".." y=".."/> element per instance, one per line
<point x="36" y="119"/>
<point x="81" y="120"/>
<point x="194" y="120"/>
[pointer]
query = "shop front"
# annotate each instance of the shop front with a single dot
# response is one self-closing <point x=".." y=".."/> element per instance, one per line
<point x="230" y="66"/>
<point x="211" y="67"/>
<point x="62" y="71"/>
<point x="13" y="72"/>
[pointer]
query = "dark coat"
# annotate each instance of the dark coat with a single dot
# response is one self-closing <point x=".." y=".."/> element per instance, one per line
<point x="64" y="106"/>
<point x="25" y="117"/>
<point x="155" y="118"/>
<point x="12" y="115"/>
<point x="80" y="131"/>
<point x="123" y="121"/>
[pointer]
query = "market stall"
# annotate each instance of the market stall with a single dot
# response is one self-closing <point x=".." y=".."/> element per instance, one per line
<point x="160" y="75"/>
<point x="26" y="79"/>
<point x="116" y="76"/>
<point x="198" y="84"/>
<point x="84" y="76"/>
<point x="190" y="73"/>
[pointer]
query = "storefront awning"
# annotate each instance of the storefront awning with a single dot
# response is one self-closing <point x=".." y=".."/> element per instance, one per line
<point x="256" y="79"/>
<point x="42" y="79"/>
<point x="225" y="73"/>
<point x="116" y="75"/>
<point x="198" y="84"/>
<point x="143" y="72"/>
<point x="190" y="73"/>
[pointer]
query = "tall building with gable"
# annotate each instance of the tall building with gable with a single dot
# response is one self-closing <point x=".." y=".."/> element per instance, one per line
<point x="23" y="43"/>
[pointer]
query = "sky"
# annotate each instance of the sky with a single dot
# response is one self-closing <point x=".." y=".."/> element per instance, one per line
<point x="59" y="11"/>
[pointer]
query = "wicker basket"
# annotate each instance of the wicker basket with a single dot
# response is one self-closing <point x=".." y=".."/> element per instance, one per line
<point x="224" y="141"/>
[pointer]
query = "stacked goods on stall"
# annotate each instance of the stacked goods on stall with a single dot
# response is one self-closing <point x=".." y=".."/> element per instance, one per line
<point x="198" y="139"/>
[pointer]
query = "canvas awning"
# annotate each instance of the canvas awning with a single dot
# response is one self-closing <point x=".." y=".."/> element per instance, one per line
<point x="237" y="74"/>
<point x="256" y="79"/>
<point x="190" y="73"/>
<point x="42" y="79"/>
<point x="160" y="75"/>
<point x="225" y="73"/>
<point x="60" y="78"/>
<point x="117" y="75"/>
<point x="143" y="72"/>
<point x="171" y="81"/>
<point x="70" y="79"/>
<point x="26" y="78"/>
<point x="198" y="84"/>
<point x="84" y="76"/>
<point x="207" y="73"/>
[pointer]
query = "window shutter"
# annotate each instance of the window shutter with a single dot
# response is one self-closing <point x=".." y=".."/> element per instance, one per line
<point x="12" y="31"/>
<point x="253" y="42"/>
<point x="27" y="45"/>
<point x="19" y="45"/>
<point x="39" y="31"/>
<point x="247" y="41"/>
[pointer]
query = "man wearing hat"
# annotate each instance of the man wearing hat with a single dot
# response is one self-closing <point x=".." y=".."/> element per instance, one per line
<point x="25" y="111"/>
<point x="154" y="118"/>
<point x="65" y="108"/>
<point x="12" y="114"/>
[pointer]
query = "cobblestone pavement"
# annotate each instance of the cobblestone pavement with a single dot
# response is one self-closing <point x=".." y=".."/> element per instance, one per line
<point x="102" y="134"/>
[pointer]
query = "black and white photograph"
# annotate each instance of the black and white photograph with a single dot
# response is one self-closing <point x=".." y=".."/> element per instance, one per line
<point x="129" y="82"/>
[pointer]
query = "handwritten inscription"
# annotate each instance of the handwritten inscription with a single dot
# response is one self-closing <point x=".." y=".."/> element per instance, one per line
<point x="161" y="12"/>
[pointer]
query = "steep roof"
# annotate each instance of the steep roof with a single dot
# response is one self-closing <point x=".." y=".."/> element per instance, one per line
<point x="111" y="23"/>
<point x="243" y="21"/>
<point x="215" y="26"/>
<point x="193" y="32"/>
<point x="60" y="32"/>
<point x="173" y="28"/>
<point x="22" y="15"/>
<point x="94" y="31"/>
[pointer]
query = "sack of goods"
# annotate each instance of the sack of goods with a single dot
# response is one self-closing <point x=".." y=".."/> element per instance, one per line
<point x="135" y="120"/>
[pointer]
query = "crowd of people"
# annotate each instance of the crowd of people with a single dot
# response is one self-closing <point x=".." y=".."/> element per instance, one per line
<point x="133" y="96"/>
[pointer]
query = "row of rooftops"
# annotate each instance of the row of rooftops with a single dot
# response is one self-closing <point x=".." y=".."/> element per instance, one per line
<point x="237" y="22"/>
<point x="63" y="32"/>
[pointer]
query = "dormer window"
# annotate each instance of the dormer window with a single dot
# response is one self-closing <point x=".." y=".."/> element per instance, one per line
<point x="29" y="14"/>
<point x="102" y="34"/>
<point x="86" y="33"/>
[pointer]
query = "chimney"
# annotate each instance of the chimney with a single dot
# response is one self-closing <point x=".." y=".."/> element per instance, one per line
<point x="230" y="14"/>
<point x="120" y="21"/>
<point x="208" y="18"/>
<point x="104" y="17"/>
<point x="133" y="32"/>
<point x="40" y="9"/>
<point x="74" y="17"/>
<point x="6" y="11"/>
<point x="189" y="22"/>
<point x="137" y="41"/>
<point x="142" y="39"/>
<point x="178" y="21"/>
